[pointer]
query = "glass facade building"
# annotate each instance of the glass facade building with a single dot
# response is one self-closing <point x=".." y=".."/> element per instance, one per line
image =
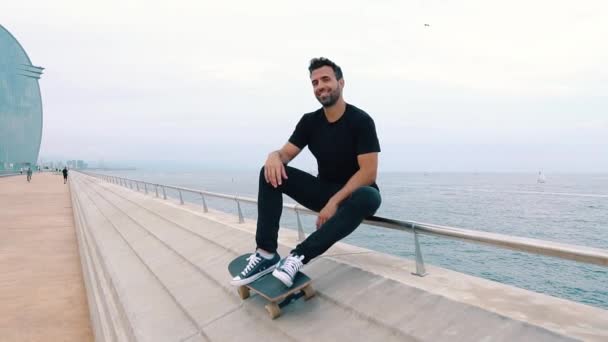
<point x="20" y="106"/>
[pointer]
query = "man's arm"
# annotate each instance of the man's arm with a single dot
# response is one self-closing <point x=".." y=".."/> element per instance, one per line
<point x="287" y="152"/>
<point x="274" y="169"/>
<point x="368" y="170"/>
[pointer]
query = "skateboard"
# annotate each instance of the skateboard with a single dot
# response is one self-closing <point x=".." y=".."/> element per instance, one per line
<point x="271" y="288"/>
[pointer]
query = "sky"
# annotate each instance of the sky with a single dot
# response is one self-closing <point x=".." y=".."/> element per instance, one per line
<point x="496" y="86"/>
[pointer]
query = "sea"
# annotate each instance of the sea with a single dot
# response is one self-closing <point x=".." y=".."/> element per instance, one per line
<point x="566" y="208"/>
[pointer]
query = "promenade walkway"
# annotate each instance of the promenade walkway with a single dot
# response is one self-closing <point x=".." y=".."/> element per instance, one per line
<point x="42" y="295"/>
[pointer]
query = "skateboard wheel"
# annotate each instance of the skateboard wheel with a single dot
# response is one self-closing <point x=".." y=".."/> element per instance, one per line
<point x="243" y="292"/>
<point x="309" y="292"/>
<point x="273" y="309"/>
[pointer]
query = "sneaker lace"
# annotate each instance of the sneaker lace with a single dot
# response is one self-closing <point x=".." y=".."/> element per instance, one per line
<point x="292" y="265"/>
<point x="253" y="259"/>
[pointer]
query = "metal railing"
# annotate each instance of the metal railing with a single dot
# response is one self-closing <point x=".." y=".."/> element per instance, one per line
<point x="553" y="249"/>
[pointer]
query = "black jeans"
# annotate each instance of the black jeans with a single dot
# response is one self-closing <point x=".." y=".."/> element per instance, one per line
<point x="313" y="193"/>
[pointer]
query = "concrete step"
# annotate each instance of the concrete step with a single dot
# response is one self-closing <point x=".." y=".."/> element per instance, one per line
<point x="149" y="310"/>
<point x="105" y="311"/>
<point x="177" y="257"/>
<point x="211" y="260"/>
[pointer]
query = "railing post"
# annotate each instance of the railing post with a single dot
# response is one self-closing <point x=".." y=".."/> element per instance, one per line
<point x="238" y="205"/>
<point x="420" y="270"/>
<point x="156" y="189"/>
<point x="164" y="193"/>
<point x="301" y="235"/>
<point x="131" y="185"/>
<point x="205" y="209"/>
<point x="137" y="185"/>
<point x="146" y="187"/>
<point x="181" y="199"/>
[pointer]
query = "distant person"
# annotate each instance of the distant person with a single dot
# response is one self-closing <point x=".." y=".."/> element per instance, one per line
<point x="343" y="140"/>
<point x="21" y="170"/>
<point x="65" y="175"/>
<point x="29" y="174"/>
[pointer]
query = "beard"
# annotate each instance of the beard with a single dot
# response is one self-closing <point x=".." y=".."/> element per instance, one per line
<point x="329" y="99"/>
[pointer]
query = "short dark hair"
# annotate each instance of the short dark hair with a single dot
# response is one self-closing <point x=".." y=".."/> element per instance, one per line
<point x="317" y="63"/>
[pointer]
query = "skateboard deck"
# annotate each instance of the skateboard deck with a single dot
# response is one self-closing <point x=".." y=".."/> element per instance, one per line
<point x="272" y="289"/>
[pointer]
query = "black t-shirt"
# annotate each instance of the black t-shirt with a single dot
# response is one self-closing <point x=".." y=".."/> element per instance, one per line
<point x="336" y="145"/>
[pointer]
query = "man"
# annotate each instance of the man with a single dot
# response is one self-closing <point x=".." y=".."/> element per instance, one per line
<point x="29" y="174"/>
<point x="343" y="140"/>
<point x="65" y="174"/>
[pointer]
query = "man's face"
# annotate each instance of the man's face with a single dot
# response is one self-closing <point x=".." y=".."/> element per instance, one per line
<point x="326" y="87"/>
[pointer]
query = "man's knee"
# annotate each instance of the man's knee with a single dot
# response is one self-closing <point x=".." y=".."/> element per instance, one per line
<point x="368" y="199"/>
<point x="288" y="171"/>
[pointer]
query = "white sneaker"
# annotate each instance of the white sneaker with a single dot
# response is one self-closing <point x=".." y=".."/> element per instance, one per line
<point x="288" y="268"/>
<point x="257" y="267"/>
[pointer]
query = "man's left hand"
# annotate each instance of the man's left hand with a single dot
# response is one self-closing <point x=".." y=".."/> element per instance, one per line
<point x="326" y="213"/>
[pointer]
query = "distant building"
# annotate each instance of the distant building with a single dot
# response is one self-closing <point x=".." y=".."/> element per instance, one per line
<point x="20" y="106"/>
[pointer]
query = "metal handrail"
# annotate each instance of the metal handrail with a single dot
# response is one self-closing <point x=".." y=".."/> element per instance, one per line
<point x="553" y="249"/>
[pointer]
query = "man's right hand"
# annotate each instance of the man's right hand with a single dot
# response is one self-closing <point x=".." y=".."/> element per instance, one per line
<point x="274" y="170"/>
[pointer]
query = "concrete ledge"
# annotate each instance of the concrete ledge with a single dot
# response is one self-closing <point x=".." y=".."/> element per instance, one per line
<point x="158" y="270"/>
<point x="109" y="323"/>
